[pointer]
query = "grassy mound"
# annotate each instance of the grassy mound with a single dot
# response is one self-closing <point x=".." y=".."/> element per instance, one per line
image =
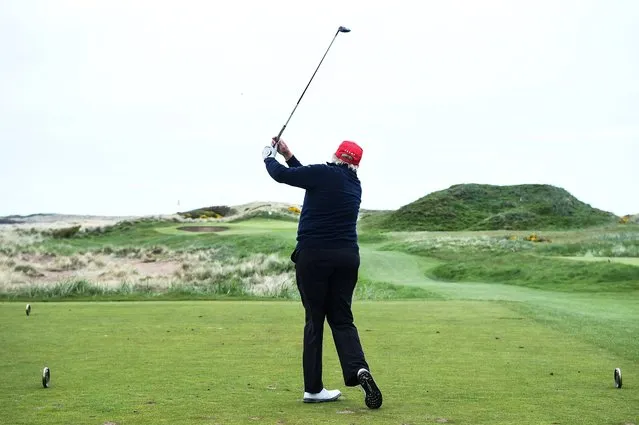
<point x="491" y="207"/>
<point x="218" y="211"/>
<point x="264" y="215"/>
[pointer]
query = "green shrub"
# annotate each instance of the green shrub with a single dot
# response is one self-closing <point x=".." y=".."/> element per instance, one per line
<point x="209" y="212"/>
<point x="65" y="232"/>
<point x="28" y="270"/>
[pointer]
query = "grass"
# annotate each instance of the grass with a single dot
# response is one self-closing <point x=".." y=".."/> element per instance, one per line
<point x="507" y="257"/>
<point x="538" y="272"/>
<point x="263" y="215"/>
<point x="223" y="265"/>
<point x="241" y="239"/>
<point x="490" y="207"/>
<point x="459" y="327"/>
<point x="230" y="263"/>
<point x="82" y="290"/>
<point x="236" y="362"/>
<point x="251" y="258"/>
<point x="223" y="289"/>
<point x="634" y="261"/>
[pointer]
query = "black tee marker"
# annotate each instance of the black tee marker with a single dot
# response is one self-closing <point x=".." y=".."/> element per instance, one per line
<point x="617" y="378"/>
<point x="46" y="377"/>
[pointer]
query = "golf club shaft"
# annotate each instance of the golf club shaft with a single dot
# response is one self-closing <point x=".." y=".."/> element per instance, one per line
<point x="277" y="139"/>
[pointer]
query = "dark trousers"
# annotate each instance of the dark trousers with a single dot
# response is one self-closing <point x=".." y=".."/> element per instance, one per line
<point x="326" y="279"/>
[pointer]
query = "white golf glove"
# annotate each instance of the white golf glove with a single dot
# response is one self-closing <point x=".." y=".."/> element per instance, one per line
<point x="269" y="152"/>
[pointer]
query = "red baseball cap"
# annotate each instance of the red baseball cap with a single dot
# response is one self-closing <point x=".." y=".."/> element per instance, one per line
<point x="349" y="152"/>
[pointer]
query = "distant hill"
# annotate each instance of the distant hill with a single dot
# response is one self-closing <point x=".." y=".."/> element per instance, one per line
<point x="15" y="219"/>
<point x="491" y="207"/>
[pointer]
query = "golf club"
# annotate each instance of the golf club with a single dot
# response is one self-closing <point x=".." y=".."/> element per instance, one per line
<point x="340" y="29"/>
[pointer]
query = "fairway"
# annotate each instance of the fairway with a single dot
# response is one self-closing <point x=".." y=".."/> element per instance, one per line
<point x="462" y="362"/>
<point x="624" y="260"/>
<point x="609" y="321"/>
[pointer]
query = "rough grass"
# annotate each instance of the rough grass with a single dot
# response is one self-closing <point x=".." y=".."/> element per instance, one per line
<point x="14" y="237"/>
<point x="148" y="260"/>
<point x="231" y="362"/>
<point x="152" y="258"/>
<point x="273" y="286"/>
<point x="621" y="243"/>
<point x="135" y="259"/>
<point x="612" y="240"/>
<point x="137" y="272"/>
<point x="266" y="215"/>
<point x="543" y="273"/>
<point x="507" y="257"/>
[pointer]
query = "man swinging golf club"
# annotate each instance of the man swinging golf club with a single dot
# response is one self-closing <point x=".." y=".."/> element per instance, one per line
<point x="327" y="261"/>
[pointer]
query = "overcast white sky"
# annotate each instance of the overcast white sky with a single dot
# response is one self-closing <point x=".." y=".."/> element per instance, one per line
<point x="127" y="106"/>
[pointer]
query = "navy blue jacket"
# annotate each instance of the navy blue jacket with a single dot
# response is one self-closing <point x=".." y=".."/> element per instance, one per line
<point x="331" y="203"/>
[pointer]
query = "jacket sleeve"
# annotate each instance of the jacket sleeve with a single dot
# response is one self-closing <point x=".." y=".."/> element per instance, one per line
<point x="303" y="176"/>
<point x="293" y="162"/>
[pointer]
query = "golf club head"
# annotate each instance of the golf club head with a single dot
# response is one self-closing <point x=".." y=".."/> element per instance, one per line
<point x="344" y="29"/>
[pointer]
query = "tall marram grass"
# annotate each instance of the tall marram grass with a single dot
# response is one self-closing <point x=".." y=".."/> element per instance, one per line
<point x="625" y="244"/>
<point x="113" y="272"/>
<point x="83" y="290"/>
<point x="12" y="239"/>
<point x="611" y="244"/>
<point x="270" y="287"/>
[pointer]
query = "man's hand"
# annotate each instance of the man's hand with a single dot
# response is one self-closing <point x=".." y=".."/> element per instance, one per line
<point x="269" y="152"/>
<point x="282" y="148"/>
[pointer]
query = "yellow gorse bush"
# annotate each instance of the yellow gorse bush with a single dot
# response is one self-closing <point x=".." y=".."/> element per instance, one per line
<point x="534" y="238"/>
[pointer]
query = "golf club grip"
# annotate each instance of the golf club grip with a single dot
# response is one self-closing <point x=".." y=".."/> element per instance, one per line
<point x="277" y="138"/>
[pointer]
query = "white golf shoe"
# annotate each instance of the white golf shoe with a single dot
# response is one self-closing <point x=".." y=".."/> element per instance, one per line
<point x="322" y="396"/>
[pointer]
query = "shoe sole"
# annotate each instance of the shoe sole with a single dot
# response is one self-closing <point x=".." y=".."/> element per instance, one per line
<point x="373" y="397"/>
<point x="319" y="400"/>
